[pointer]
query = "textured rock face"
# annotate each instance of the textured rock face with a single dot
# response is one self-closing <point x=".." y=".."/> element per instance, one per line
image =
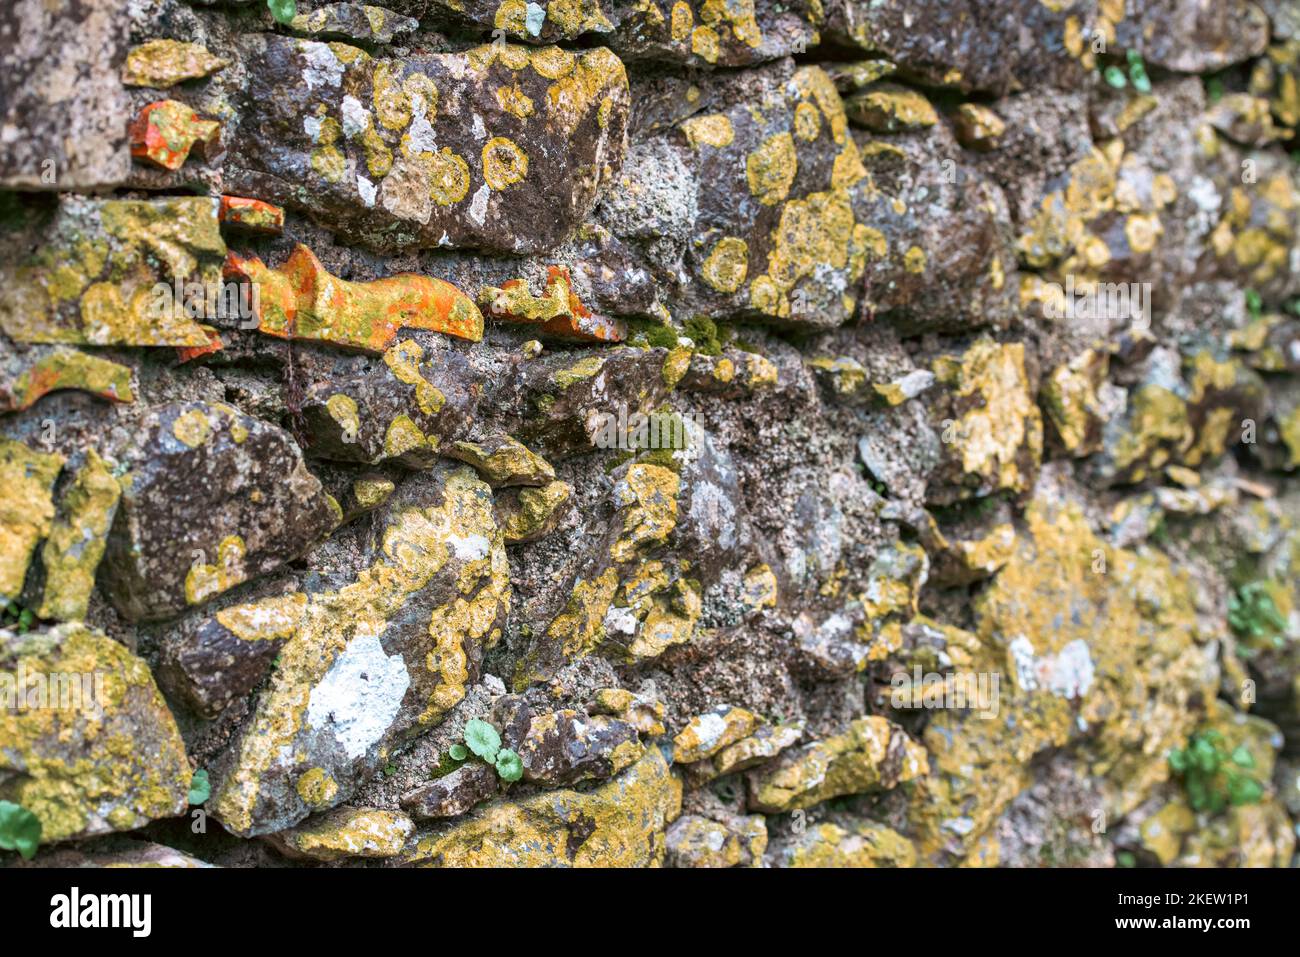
<point x="690" y="434"/>
<point x="241" y="480"/>
<point x="501" y="147"/>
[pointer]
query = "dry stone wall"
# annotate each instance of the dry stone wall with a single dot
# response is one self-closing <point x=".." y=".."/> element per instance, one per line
<point x="718" y="433"/>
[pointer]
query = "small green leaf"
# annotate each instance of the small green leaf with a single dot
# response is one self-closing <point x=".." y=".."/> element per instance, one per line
<point x="1115" y="77"/>
<point x="1125" y="859"/>
<point x="458" y="752"/>
<point x="1254" y="304"/>
<point x="200" y="787"/>
<point x="283" y="10"/>
<point x="1242" y="758"/>
<point x="20" y="830"/>
<point x="482" y="739"/>
<point x="509" y="767"/>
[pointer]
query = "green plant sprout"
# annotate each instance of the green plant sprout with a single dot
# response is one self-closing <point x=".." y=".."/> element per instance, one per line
<point x="1116" y="76"/>
<point x="1254" y="615"/>
<point x="1254" y="304"/>
<point x="1137" y="72"/>
<point x="283" y="10"/>
<point x="20" y="830"/>
<point x="484" y="741"/>
<point x="200" y="787"/>
<point x="1215" y="779"/>
<point x="15" y="616"/>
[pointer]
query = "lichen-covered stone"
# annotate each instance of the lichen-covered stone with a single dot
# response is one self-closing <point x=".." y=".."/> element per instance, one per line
<point x="500" y="147"/>
<point x="695" y="841"/>
<point x="374" y="661"/>
<point x="870" y="754"/>
<point x="502" y="461"/>
<point x="72" y="552"/>
<point x="867" y="844"/>
<point x="27" y="510"/>
<point x="301" y="300"/>
<point x="251" y="216"/>
<point x="166" y="132"/>
<point x="212" y="498"/>
<point x="61" y="368"/>
<point x="91" y="276"/>
<point x="162" y="63"/>
<point x="91" y="748"/>
<point x="707" y="734"/>
<point x="527" y="514"/>
<point x="346" y="833"/>
<point x="359" y="22"/>
<point x="564" y="747"/>
<point x="619" y="824"/>
<point x="409" y="406"/>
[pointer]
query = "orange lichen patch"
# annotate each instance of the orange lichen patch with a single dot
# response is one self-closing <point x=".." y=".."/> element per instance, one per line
<point x="251" y="215"/>
<point x="301" y="300"/>
<point x="69" y="369"/>
<point x="187" y="353"/>
<point x="558" y="311"/>
<point x="166" y="132"/>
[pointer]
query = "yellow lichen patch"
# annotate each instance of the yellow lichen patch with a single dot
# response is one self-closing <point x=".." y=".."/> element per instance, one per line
<point x="978" y="127"/>
<point x="852" y="762"/>
<point x="683" y="21"/>
<point x="727" y="264"/>
<point x="343" y="410"/>
<point x="771" y="169"/>
<point x="317" y="788"/>
<point x="619" y="824"/>
<point x="760" y="587"/>
<point x="999" y="440"/>
<point x="814" y="232"/>
<point x="707" y="734"/>
<point x="594" y="76"/>
<point x="807" y="122"/>
<point x="706" y="44"/>
<point x="1060" y="223"/>
<point x="26" y="509"/>
<point x="914" y="260"/>
<point x="504" y="460"/>
<point x="512" y="100"/>
<point x="403" y="436"/>
<point x="891" y="111"/>
<point x="534" y="511"/>
<point x="713" y="130"/>
<point x="76" y="543"/>
<point x="70" y="369"/>
<point x="372" y="492"/>
<point x="579" y="628"/>
<point x="164" y="63"/>
<point x="403" y="360"/>
<point x="1071" y="398"/>
<point x="867" y="844"/>
<point x="93" y="747"/>
<point x="192" y="428"/>
<point x="647" y="496"/>
<point x="576" y="17"/>
<point x="203" y="580"/>
<point x="504" y="163"/>
<point x="267" y="619"/>
<point x="448" y="177"/>
<point x="348" y="833"/>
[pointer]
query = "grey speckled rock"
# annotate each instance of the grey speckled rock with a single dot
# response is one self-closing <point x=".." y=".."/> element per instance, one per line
<point x="214" y="498"/>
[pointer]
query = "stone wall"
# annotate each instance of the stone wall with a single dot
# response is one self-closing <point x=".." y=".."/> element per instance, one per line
<point x="722" y="433"/>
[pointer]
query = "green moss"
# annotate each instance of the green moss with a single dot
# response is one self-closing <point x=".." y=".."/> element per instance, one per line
<point x="703" y="331"/>
<point x="643" y="331"/>
<point x="1213" y="777"/>
<point x="1254" y="615"/>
